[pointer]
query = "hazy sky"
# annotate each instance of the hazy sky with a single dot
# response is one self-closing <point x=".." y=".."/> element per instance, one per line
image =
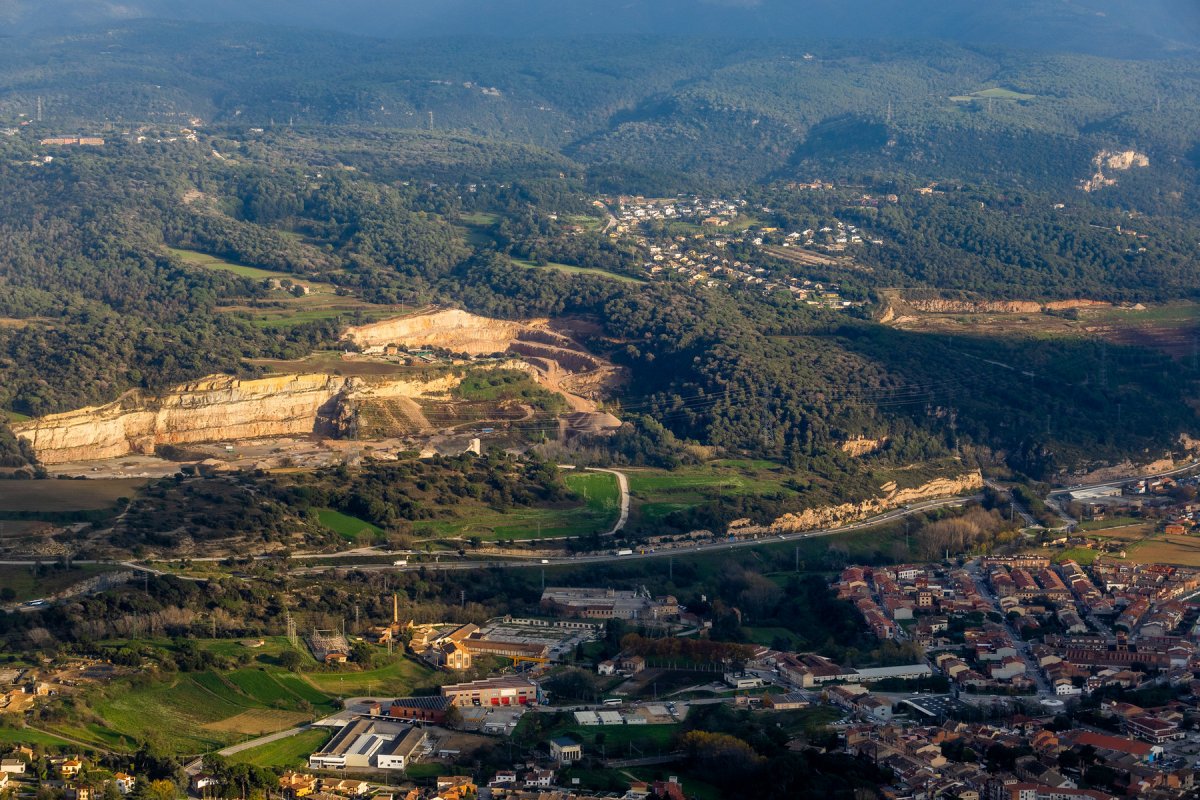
<point x="1076" y="24"/>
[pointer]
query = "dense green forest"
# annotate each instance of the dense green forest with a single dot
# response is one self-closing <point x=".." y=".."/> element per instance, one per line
<point x="635" y="113"/>
<point x="350" y="196"/>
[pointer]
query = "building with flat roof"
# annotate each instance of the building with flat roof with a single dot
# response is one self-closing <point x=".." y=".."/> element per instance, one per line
<point x="565" y="750"/>
<point x="358" y="745"/>
<point x="591" y="603"/>
<point x="506" y="690"/>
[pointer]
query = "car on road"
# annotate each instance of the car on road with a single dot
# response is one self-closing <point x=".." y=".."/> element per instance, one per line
<point x="34" y="603"/>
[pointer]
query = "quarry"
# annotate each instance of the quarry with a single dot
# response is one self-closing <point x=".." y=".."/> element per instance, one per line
<point x="398" y="386"/>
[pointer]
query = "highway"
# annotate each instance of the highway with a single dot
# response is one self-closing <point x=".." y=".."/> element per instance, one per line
<point x="665" y="552"/>
<point x="519" y="562"/>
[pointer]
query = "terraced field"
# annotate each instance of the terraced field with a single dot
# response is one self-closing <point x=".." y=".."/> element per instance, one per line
<point x="199" y="711"/>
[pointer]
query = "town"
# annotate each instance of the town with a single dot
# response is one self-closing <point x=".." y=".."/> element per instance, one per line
<point x="1027" y="680"/>
<point x="693" y="238"/>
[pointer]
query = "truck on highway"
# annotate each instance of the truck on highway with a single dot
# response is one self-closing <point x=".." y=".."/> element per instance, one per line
<point x="400" y="562"/>
<point x="625" y="552"/>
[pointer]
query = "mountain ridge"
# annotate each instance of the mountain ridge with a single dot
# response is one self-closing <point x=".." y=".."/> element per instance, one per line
<point x="1129" y="28"/>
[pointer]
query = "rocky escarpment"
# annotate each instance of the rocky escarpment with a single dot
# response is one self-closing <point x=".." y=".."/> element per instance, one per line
<point x="217" y="408"/>
<point x="452" y="329"/>
<point x="846" y="513"/>
<point x="946" y="306"/>
<point x="1112" y="161"/>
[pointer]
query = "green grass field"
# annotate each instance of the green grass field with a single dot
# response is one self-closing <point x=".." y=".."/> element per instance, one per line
<point x="348" y="527"/>
<point x="30" y="736"/>
<point x="657" y="493"/>
<point x="289" y="753"/>
<point x="1104" y="524"/>
<point x="13" y="416"/>
<point x="573" y="270"/>
<point x="480" y="218"/>
<point x="1083" y="556"/>
<point x="597" y="512"/>
<point x="617" y="738"/>
<point x="397" y="678"/>
<point x="995" y="93"/>
<point x="192" y="712"/>
<point x="598" y="489"/>
<point x="196" y="259"/>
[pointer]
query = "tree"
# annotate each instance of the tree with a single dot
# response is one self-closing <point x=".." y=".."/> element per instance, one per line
<point x="291" y="660"/>
<point x="454" y="718"/>
<point x="162" y="790"/>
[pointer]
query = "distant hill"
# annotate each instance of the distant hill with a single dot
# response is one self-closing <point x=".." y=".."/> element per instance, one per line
<point x="1125" y="28"/>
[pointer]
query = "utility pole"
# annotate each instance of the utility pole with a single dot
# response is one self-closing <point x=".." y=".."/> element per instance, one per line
<point x="430" y="120"/>
<point x="39" y="108"/>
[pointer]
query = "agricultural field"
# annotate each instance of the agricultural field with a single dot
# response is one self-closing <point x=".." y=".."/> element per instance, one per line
<point x="1105" y="524"/>
<point x="322" y="302"/>
<point x="397" y="678"/>
<point x="657" y="493"/>
<point x="288" y="753"/>
<point x="196" y="259"/>
<point x="259" y="722"/>
<point x="63" y="496"/>
<point x="349" y="528"/>
<point x="30" y="736"/>
<point x="573" y="270"/>
<point x="596" y="514"/>
<point x="188" y="713"/>
<point x="1183" y="551"/>
<point x="1170" y="328"/>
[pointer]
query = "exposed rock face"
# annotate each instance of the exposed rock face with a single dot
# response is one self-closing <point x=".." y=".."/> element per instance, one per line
<point x="942" y="306"/>
<point x="217" y="408"/>
<point x="452" y="329"/>
<point x="559" y="363"/>
<point x="1112" y="161"/>
<point x="863" y="446"/>
<point x="837" y="516"/>
<point x="945" y="306"/>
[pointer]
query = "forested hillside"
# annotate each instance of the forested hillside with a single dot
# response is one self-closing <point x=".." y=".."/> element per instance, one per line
<point x="1129" y="27"/>
<point x="263" y="160"/>
<point x="645" y="114"/>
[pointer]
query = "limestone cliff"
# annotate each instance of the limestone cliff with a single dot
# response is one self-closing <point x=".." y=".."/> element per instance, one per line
<point x="846" y="513"/>
<point x="217" y="408"/>
<point x="947" y="306"/>
<point x="1112" y="161"/>
<point x="452" y="329"/>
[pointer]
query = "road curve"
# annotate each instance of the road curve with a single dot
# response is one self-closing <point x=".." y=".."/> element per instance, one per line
<point x="623" y="485"/>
